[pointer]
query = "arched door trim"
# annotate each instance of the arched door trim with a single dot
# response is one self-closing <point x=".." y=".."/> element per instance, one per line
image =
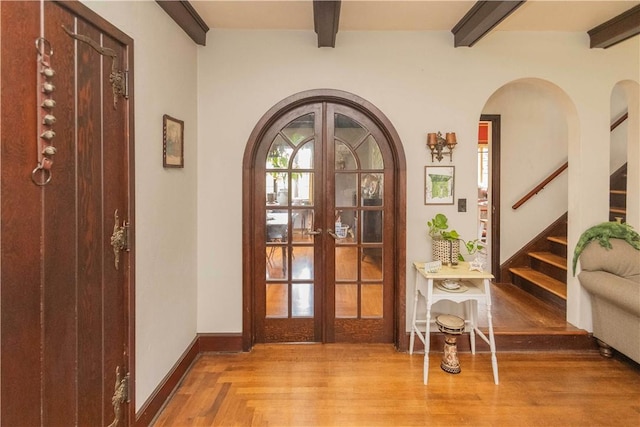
<point x="248" y="246"/>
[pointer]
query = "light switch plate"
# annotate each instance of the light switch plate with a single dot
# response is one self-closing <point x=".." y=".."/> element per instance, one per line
<point x="462" y="205"/>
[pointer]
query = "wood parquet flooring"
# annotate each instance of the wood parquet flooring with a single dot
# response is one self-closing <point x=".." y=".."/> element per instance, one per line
<point x="374" y="385"/>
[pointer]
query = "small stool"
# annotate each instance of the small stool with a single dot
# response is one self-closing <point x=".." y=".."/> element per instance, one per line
<point x="451" y="326"/>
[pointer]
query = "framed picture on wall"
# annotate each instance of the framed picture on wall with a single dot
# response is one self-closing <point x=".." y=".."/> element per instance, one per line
<point x="439" y="185"/>
<point x="172" y="142"/>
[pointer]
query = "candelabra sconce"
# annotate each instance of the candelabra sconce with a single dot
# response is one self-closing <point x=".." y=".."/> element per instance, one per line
<point x="440" y="146"/>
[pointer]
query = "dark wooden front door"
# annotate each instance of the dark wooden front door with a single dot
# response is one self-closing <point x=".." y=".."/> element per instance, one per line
<point x="324" y="230"/>
<point x="66" y="309"/>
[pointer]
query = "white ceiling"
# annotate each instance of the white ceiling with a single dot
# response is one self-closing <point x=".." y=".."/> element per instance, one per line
<point x="406" y="15"/>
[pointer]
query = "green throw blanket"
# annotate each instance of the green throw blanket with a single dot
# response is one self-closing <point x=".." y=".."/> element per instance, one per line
<point x="602" y="233"/>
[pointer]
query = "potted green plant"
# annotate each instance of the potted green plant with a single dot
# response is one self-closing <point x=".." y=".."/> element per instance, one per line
<point x="446" y="243"/>
<point x="439" y="228"/>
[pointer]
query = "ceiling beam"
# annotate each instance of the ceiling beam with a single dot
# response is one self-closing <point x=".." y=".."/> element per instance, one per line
<point x="326" y="18"/>
<point x="187" y="18"/>
<point x="616" y="29"/>
<point x="481" y="18"/>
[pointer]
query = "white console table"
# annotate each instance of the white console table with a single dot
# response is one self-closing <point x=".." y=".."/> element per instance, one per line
<point x="479" y="291"/>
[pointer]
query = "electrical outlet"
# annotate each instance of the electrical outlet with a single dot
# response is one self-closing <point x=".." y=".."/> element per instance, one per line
<point x="462" y="205"/>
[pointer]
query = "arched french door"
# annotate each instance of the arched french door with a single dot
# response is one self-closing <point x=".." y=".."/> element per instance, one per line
<point x="321" y="219"/>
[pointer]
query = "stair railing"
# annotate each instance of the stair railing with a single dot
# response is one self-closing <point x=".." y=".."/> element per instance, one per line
<point x="540" y="186"/>
<point x="619" y="121"/>
<point x="558" y="171"/>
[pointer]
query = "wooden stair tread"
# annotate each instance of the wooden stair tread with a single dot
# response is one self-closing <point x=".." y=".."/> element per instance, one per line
<point x="558" y="239"/>
<point x="617" y="210"/>
<point x="550" y="258"/>
<point x="618" y="191"/>
<point x="550" y="284"/>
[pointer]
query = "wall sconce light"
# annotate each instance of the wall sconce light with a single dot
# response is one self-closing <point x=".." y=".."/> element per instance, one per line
<point x="438" y="144"/>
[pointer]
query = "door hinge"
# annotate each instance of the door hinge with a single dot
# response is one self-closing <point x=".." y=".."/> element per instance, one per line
<point x="126" y="84"/>
<point x="125" y="389"/>
<point x="117" y="78"/>
<point x="120" y="396"/>
<point x="125" y="227"/>
<point x="119" y="238"/>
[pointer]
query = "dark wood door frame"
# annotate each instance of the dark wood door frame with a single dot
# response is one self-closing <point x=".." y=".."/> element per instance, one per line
<point x="494" y="189"/>
<point x="250" y="275"/>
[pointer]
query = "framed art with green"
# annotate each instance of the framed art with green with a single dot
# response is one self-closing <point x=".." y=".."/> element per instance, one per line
<point x="439" y="184"/>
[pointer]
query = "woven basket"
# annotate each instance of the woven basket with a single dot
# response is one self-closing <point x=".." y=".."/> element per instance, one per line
<point x="445" y="250"/>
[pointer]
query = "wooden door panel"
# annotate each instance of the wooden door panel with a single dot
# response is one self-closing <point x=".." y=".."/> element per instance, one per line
<point x="60" y="350"/>
<point x="289" y="329"/>
<point x="115" y="183"/>
<point x="360" y="328"/>
<point x="64" y="307"/>
<point x="20" y="224"/>
<point x="90" y="218"/>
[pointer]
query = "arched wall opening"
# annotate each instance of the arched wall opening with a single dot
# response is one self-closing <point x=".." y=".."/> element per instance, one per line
<point x="538" y="126"/>
<point x="624" y="145"/>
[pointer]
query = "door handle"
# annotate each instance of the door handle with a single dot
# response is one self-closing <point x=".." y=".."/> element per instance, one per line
<point x="333" y="234"/>
<point x="316" y="232"/>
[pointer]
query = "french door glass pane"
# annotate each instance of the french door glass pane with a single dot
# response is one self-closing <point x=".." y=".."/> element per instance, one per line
<point x="346" y="185"/>
<point x="277" y="234"/>
<point x="344" y="158"/>
<point x="301" y="188"/>
<point x="302" y="224"/>
<point x="348" y="130"/>
<point x="346" y="301"/>
<point x="369" y="154"/>
<point x="276" y="256"/>
<point x="303" y="159"/>
<point x="302" y="300"/>
<point x="372" y="226"/>
<point x="277" y="225"/>
<point x="346" y="225"/>
<point x="371" y="188"/>
<point x="346" y="263"/>
<point x="302" y="263"/>
<point x="277" y="298"/>
<point x="300" y="129"/>
<point x="279" y="153"/>
<point x="277" y="188"/>
<point x="371" y="297"/>
<point x="371" y="266"/>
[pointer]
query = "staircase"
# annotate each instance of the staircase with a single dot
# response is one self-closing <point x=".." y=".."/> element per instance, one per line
<point x="618" y="195"/>
<point x="540" y="268"/>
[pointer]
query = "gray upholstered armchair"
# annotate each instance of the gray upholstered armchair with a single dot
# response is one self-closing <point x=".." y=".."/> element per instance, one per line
<point x="612" y="278"/>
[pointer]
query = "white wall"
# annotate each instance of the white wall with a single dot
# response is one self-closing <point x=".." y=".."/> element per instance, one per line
<point x="423" y="85"/>
<point x="165" y="83"/>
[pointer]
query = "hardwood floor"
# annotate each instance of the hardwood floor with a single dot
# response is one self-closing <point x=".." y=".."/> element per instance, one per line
<point x="515" y="310"/>
<point x="374" y="385"/>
